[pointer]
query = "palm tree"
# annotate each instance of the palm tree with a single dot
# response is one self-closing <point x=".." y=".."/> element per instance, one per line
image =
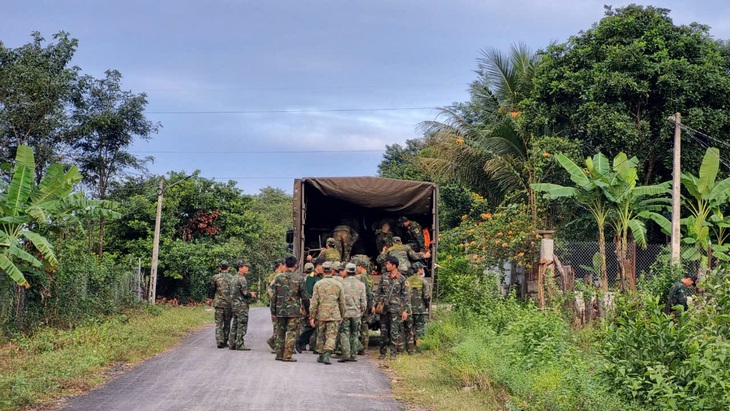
<point x="480" y="143"/>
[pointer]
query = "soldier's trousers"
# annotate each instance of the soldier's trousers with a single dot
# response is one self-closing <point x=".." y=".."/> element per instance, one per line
<point x="239" y="327"/>
<point x="391" y="332"/>
<point x="222" y="324"/>
<point x="272" y="340"/>
<point x="286" y="336"/>
<point x="350" y="337"/>
<point x="326" y="335"/>
<point x="365" y="331"/>
<point x="343" y="244"/>
<point x="306" y="335"/>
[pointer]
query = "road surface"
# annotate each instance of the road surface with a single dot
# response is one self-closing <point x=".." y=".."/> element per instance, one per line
<point x="196" y="375"/>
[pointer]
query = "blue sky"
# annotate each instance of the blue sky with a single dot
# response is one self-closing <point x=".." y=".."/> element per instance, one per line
<point x="265" y="91"/>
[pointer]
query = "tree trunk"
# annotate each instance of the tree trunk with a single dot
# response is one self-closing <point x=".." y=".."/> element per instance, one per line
<point x="101" y="237"/>
<point x="602" y="250"/>
<point x="20" y="308"/>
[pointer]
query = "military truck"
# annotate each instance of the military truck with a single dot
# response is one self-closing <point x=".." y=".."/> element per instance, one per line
<point x="364" y="203"/>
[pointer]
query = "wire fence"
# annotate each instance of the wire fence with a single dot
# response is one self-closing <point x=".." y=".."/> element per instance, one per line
<point x="584" y="258"/>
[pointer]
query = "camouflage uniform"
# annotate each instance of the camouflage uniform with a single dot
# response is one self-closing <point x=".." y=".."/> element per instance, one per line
<point x="288" y="300"/>
<point x="678" y="295"/>
<point x="329" y="254"/>
<point x="415" y="236"/>
<point x="240" y="297"/>
<point x="327" y="309"/>
<point x="383" y="239"/>
<point x="309" y="334"/>
<point x="222" y="302"/>
<point x="270" y="292"/>
<point x="404" y="253"/>
<point x="394" y="293"/>
<point x="344" y="237"/>
<point x="365" y="320"/>
<point x="355" y="304"/>
<point x="415" y="325"/>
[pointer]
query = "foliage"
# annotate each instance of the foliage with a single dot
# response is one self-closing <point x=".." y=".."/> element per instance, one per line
<point x="672" y="362"/>
<point x="36" y="83"/>
<point x="707" y="198"/>
<point x="613" y="86"/>
<point x="400" y="162"/>
<point x="25" y="206"/>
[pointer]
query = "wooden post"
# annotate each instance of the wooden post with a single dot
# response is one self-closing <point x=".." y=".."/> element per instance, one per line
<point x="676" y="185"/>
<point x="156" y="243"/>
<point x="632" y="265"/>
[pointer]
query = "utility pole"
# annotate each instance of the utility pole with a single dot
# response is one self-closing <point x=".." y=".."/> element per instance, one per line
<point x="156" y="242"/>
<point x="677" y="170"/>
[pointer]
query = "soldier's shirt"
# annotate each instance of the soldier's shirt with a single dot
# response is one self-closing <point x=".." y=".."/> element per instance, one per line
<point x="420" y="294"/>
<point x="289" y="295"/>
<point x="355" y="297"/>
<point x="678" y="294"/>
<point x="415" y="231"/>
<point x="328" y="300"/>
<point x="403" y="252"/>
<point x="222" y="283"/>
<point x="399" y="291"/>
<point x="239" y="290"/>
<point x="330" y="254"/>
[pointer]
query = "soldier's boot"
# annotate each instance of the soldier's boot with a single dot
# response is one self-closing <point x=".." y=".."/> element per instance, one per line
<point x="326" y="357"/>
<point x="320" y="358"/>
<point x="300" y="348"/>
<point x="393" y="354"/>
<point x="382" y="355"/>
<point x="220" y="345"/>
<point x="289" y="359"/>
<point x="270" y="341"/>
<point x="352" y="359"/>
<point x="343" y="359"/>
<point x="418" y="347"/>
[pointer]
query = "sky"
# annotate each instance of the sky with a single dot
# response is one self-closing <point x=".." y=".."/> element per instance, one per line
<point x="262" y="92"/>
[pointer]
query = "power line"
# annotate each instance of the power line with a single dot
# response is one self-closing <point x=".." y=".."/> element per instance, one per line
<point x="258" y="152"/>
<point x="299" y="111"/>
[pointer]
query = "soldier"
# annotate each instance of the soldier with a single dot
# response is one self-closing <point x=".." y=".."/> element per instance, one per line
<point x="394" y="294"/>
<point x="420" y="304"/>
<point x="404" y="253"/>
<point x="681" y="290"/>
<point x="356" y="303"/>
<point x="383" y="236"/>
<point x="309" y="331"/>
<point x="240" y="297"/>
<point x="415" y="233"/>
<point x="338" y="269"/>
<point x="288" y="301"/>
<point x="327" y="309"/>
<point x="330" y="253"/>
<point x="344" y="236"/>
<point x="362" y="275"/>
<point x="279" y="268"/>
<point x="222" y="302"/>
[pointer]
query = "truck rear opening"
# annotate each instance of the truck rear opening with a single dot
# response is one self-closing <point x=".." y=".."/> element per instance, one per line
<point x="364" y="203"/>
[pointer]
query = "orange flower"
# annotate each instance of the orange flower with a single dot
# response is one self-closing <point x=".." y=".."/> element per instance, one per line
<point x="504" y="244"/>
<point x="515" y="114"/>
<point x="499" y="234"/>
<point x="464" y="217"/>
<point x="474" y="256"/>
<point x="459" y="140"/>
<point x="520" y="255"/>
<point x="546" y="154"/>
<point x="509" y="232"/>
<point x="487" y="216"/>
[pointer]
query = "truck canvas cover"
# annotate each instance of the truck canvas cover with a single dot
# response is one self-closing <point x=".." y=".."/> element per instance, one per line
<point x="396" y="196"/>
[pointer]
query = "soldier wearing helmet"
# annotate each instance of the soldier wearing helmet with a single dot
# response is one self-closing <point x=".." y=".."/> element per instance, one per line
<point x="404" y="253"/>
<point x="415" y="233"/>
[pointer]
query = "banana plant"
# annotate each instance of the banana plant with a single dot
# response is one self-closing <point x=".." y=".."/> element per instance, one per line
<point x="705" y="202"/>
<point x="587" y="193"/>
<point x="26" y="208"/>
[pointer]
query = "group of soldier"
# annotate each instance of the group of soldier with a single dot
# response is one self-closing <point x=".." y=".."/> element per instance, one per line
<point x="329" y="306"/>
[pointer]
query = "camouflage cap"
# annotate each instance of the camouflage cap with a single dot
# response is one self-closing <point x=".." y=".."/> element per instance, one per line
<point x="402" y="219"/>
<point x="224" y="264"/>
<point x="396" y="239"/>
<point x="350" y="268"/>
<point x="361" y="262"/>
<point x="240" y="263"/>
<point x="336" y="266"/>
<point x="327" y="265"/>
<point x="331" y="241"/>
<point x="278" y="262"/>
<point x="308" y="267"/>
<point x="418" y="265"/>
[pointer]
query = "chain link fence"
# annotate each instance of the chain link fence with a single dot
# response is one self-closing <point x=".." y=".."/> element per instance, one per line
<point x="584" y="258"/>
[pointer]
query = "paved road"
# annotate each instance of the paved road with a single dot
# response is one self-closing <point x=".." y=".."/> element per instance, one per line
<point x="198" y="376"/>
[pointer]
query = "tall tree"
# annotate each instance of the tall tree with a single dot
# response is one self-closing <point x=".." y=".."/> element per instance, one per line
<point x="106" y="121"/>
<point x="36" y="84"/>
<point x="614" y="85"/>
<point x="401" y="162"/>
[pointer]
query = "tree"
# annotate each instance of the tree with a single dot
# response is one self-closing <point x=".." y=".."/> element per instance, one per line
<point x="26" y="207"/>
<point x="106" y="122"/>
<point x="707" y="197"/>
<point x="401" y="162"/>
<point x="36" y="83"/>
<point x="614" y="85"/>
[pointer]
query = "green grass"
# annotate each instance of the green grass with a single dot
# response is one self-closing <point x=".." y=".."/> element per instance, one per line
<point x="425" y="382"/>
<point x="53" y="363"/>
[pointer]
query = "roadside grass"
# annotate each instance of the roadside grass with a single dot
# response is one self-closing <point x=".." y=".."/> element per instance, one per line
<point x="425" y="382"/>
<point x="53" y="363"/>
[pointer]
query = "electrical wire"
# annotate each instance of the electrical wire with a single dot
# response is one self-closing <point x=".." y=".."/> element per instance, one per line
<point x="298" y="111"/>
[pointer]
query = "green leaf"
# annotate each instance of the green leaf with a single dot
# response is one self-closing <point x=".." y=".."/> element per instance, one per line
<point x="576" y="173"/>
<point x="553" y="191"/>
<point x="22" y="182"/>
<point x="601" y="164"/>
<point x="659" y="219"/>
<point x="42" y="244"/>
<point x="720" y="192"/>
<point x="14" y="219"/>
<point x="638" y="230"/>
<point x="7" y="265"/>
<point x="18" y="252"/>
<point x="708" y="171"/>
